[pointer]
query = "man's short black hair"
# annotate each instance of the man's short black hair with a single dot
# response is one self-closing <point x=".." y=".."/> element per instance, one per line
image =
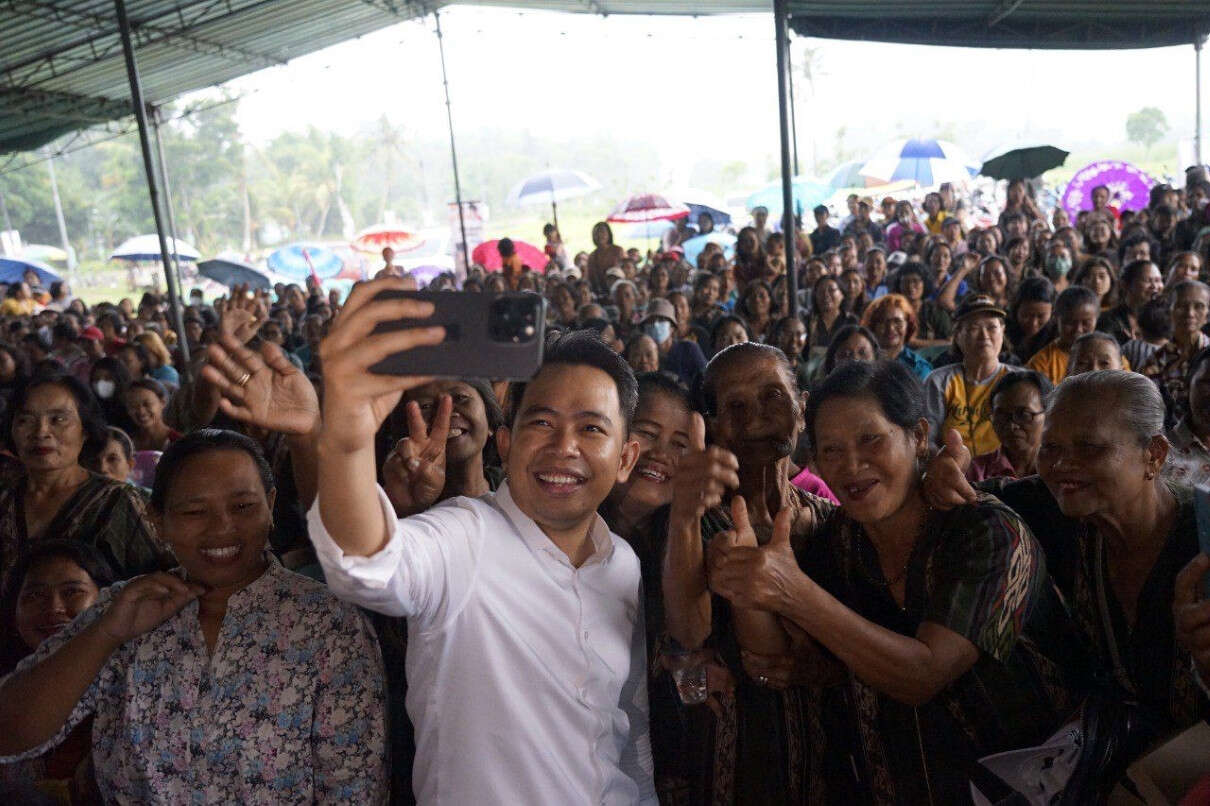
<point x="820" y="209"/>
<point x="585" y="348"/>
<point x="206" y="440"/>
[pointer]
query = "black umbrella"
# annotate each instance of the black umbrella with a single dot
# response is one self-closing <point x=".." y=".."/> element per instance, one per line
<point x="232" y="272"/>
<point x="1024" y="162"/>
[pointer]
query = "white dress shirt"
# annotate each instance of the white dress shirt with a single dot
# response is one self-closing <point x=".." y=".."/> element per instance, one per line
<point x="526" y="676"/>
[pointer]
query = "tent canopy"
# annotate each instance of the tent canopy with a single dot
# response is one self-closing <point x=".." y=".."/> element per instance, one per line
<point x="62" y="69"/>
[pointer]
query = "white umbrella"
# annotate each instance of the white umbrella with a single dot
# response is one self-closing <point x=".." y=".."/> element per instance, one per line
<point x="926" y="162"/>
<point x="147" y="247"/>
<point x="551" y="187"/>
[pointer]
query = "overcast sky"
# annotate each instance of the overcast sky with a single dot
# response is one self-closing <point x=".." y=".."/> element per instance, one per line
<point x="697" y="86"/>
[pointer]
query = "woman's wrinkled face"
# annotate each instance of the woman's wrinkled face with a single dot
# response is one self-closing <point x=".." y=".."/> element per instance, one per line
<point x="661" y="427"/>
<point x="730" y="333"/>
<point x="1032" y="316"/>
<point x="114" y="462"/>
<point x="870" y="463"/>
<point x="643" y="355"/>
<point x="217" y="518"/>
<point x="855" y="348"/>
<point x="1090" y="460"/>
<point x="469" y="429"/>
<point x="47" y="432"/>
<point x="1093" y="355"/>
<point x="980" y="336"/>
<point x="54" y="591"/>
<point x="758" y="413"/>
<point x="793" y="338"/>
<point x="1016" y="416"/>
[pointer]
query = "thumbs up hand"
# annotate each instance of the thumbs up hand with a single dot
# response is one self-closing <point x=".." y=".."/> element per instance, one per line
<point x="751" y="576"/>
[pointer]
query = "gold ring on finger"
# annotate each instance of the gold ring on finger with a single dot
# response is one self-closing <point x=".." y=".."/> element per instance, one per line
<point x="243" y="379"/>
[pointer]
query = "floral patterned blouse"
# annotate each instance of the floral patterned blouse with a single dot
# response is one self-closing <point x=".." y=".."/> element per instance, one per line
<point x="288" y="709"/>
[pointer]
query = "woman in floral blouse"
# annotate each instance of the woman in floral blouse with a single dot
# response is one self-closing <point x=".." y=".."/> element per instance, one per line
<point x="229" y="680"/>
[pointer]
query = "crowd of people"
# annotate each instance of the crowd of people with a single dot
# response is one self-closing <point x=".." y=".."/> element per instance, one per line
<point x="729" y="545"/>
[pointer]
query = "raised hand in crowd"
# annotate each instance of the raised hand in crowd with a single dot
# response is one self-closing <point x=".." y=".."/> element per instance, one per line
<point x="414" y="472"/>
<point x="262" y="389"/>
<point x="1191" y="614"/>
<point x="751" y="576"/>
<point x="242" y="315"/>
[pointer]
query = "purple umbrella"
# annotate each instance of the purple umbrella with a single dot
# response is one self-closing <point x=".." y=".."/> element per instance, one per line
<point x="1128" y="186"/>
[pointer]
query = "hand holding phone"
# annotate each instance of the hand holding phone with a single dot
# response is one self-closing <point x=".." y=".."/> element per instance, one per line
<point x="356" y="400"/>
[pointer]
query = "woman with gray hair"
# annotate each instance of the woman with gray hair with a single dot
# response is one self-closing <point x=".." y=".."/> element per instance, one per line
<point x="1120" y="540"/>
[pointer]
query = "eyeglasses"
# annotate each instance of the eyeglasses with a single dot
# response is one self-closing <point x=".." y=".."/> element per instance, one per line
<point x="1021" y="416"/>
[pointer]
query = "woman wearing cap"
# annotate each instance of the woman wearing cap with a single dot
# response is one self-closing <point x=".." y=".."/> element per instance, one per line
<point x="958" y="395"/>
<point x="682" y="358"/>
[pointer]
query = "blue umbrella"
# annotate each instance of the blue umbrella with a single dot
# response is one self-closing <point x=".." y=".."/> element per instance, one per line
<point x="807" y="194"/>
<point x="233" y="272"/>
<point x="694" y="246"/>
<point x="721" y="217"/>
<point x="290" y="261"/>
<point x="12" y="270"/>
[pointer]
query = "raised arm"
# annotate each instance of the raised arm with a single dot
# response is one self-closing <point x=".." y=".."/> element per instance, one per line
<point x="356" y="402"/>
<point x="37" y="702"/>
<point x="702" y="477"/>
<point x="948" y="296"/>
<point x="266" y="390"/>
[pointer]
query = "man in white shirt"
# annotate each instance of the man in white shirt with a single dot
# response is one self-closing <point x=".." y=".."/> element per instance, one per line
<point x="526" y="657"/>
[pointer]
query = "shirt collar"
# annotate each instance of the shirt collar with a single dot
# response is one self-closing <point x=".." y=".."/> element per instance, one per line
<point x="536" y="539"/>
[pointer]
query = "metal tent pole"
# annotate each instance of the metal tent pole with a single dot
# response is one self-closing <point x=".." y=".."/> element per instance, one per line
<point x="157" y="121"/>
<point x="793" y="114"/>
<point x="140" y="116"/>
<point x="449" y="116"/>
<point x="789" y="233"/>
<point x="1198" y="43"/>
<point x="54" y="194"/>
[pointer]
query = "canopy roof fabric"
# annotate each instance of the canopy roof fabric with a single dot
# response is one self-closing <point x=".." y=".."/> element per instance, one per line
<point x="1038" y="24"/>
<point x="62" y="69"/>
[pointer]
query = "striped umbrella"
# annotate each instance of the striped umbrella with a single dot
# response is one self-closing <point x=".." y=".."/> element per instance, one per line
<point x="925" y="162"/>
<point x="647" y="207"/>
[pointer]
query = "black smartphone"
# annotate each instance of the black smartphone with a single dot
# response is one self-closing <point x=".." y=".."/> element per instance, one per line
<point x="492" y="336"/>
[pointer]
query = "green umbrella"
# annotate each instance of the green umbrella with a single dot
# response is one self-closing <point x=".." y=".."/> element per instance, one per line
<point x="1023" y="162"/>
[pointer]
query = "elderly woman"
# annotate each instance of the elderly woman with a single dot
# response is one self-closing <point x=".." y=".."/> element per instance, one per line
<point x="1018" y="402"/>
<point x="1117" y="535"/>
<point x="945" y="625"/>
<point x="54" y="429"/>
<point x="51" y="584"/>
<point x="753" y="418"/>
<point x="957" y="395"/>
<point x="892" y="319"/>
<point x="274" y="692"/>
<point x="1094" y="351"/>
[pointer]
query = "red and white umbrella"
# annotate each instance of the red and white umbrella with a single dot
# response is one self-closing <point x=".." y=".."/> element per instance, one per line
<point x="646" y="207"/>
<point x="375" y="239"/>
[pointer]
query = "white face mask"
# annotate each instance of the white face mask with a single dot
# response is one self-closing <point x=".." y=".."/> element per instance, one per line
<point x="104" y="389"/>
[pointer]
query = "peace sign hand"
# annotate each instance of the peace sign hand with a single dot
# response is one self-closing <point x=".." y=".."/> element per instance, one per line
<point x="414" y="473"/>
